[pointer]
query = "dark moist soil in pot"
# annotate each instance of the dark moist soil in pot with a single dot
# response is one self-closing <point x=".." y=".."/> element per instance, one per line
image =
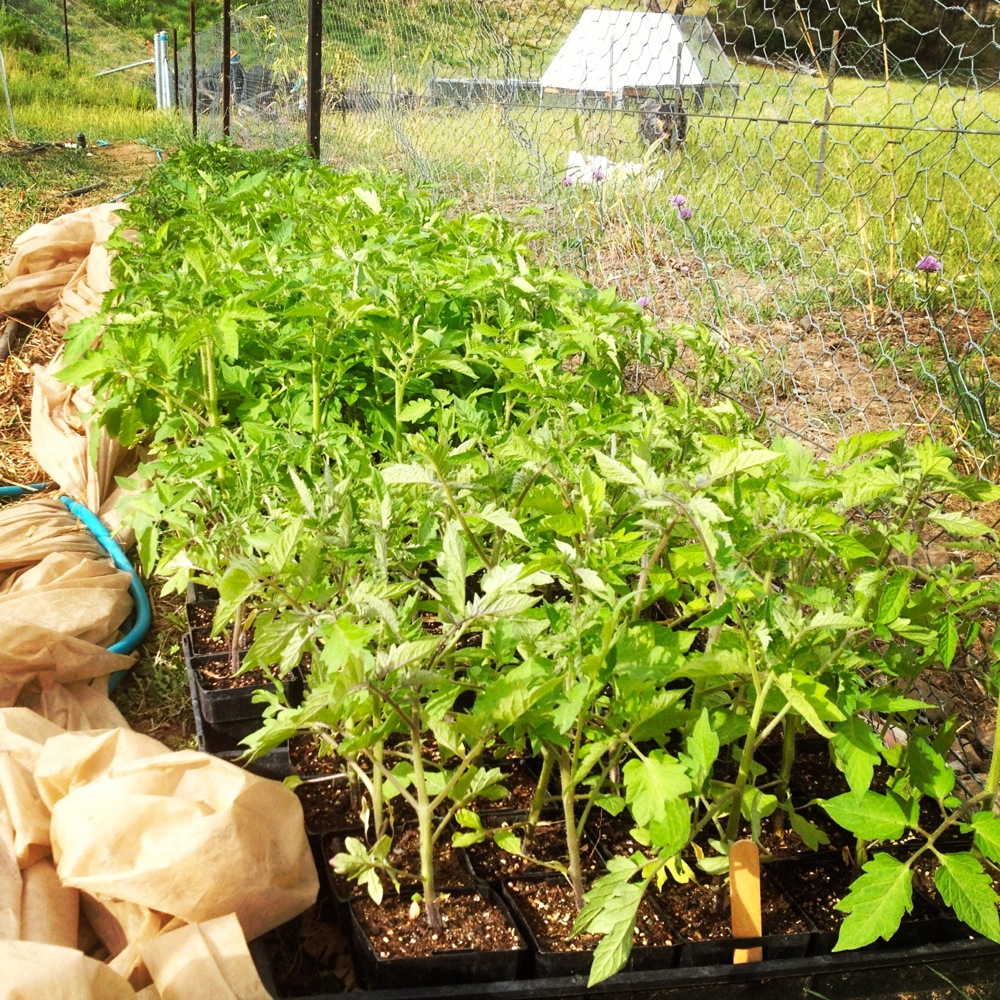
<point x="701" y="912"/>
<point x="204" y="643"/>
<point x="520" y="781"/>
<point x="613" y="833"/>
<point x="490" y="862"/>
<point x="308" y="760"/>
<point x="310" y="956"/>
<point x="471" y="922"/>
<point x="220" y="675"/>
<point x="817" y="888"/>
<point x="549" y="909"/>
<point x="326" y="805"/>
<point x="200" y="615"/>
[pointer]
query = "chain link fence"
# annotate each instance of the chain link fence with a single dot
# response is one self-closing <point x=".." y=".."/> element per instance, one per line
<point x="822" y="149"/>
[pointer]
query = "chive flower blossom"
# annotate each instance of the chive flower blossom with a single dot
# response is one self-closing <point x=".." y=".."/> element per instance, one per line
<point x="643" y="301"/>
<point x="568" y="181"/>
<point x="599" y="174"/>
<point x="678" y="201"/>
<point x="929" y="264"/>
<point x="684" y="212"/>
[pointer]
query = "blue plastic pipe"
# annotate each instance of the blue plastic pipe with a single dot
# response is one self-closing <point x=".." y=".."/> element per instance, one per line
<point x="143" y="612"/>
<point x="13" y="492"/>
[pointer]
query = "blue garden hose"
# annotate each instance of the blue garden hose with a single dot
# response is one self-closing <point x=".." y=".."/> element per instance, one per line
<point x="13" y="492"/>
<point x="143" y="611"/>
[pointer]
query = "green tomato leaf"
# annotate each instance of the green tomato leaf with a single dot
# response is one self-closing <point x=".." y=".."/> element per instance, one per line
<point x="986" y="834"/>
<point x="740" y="460"/>
<point x="616" y="921"/>
<point x="857" y="747"/>
<point x="876" y="903"/>
<point x="928" y="771"/>
<point x="651" y="782"/>
<point x="812" y="836"/>
<point x="960" y="525"/>
<point x="809" y="699"/>
<point x="968" y="890"/>
<point x="894" y="597"/>
<point x="499" y="517"/>
<point x="416" y="409"/>
<point x="702" y="749"/>
<point x="369" y="198"/>
<point x="870" y="815"/>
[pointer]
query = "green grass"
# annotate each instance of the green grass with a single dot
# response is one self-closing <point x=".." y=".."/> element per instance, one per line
<point x="752" y="181"/>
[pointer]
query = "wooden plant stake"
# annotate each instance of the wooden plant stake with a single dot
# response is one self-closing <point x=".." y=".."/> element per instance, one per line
<point x="744" y="890"/>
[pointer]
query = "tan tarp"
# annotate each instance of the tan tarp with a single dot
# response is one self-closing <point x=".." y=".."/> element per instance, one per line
<point x="61" y="268"/>
<point x="61" y="445"/>
<point x="62" y="603"/>
<point x="171" y="818"/>
<point x="162" y="863"/>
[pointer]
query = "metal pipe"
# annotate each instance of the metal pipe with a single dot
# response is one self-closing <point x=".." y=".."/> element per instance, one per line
<point x="177" y="75"/>
<point x="118" y="69"/>
<point x="6" y="94"/>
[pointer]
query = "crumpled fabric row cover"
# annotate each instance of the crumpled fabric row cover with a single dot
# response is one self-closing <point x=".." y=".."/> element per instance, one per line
<point x="60" y="272"/>
<point x="126" y="869"/>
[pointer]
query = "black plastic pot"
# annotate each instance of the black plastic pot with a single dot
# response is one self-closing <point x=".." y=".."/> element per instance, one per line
<point x="275" y="764"/>
<point x="229" y="714"/>
<point x="548" y="962"/>
<point x="326" y="804"/>
<point x="443" y="968"/>
<point x="844" y="976"/>
<point x="797" y="879"/>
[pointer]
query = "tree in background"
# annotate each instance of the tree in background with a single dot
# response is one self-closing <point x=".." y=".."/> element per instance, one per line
<point x="921" y="35"/>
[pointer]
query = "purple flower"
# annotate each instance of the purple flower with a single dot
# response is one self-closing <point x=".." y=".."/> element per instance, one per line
<point x="685" y="213"/>
<point x="599" y="174"/>
<point x="929" y="264"/>
<point x="568" y="181"/>
<point x="643" y="301"/>
<point x="678" y="201"/>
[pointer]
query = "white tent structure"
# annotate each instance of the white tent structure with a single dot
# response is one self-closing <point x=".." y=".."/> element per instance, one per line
<point x="623" y="53"/>
<point x="609" y="51"/>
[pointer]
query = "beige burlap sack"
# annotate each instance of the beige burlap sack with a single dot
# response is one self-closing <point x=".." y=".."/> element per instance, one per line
<point x="61" y="443"/>
<point x="180" y="833"/>
<point x="33" y="971"/>
<point x="35" y="528"/>
<point x="57" y="259"/>
<point x="204" y="961"/>
<point x="62" y="603"/>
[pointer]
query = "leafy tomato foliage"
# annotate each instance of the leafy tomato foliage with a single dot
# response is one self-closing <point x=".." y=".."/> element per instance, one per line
<point x="401" y="447"/>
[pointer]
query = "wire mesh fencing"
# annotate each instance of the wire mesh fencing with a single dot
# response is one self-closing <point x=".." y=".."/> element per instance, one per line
<point x="818" y="180"/>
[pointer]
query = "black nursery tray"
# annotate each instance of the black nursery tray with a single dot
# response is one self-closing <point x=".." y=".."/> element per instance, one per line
<point x="274" y="764"/>
<point x="884" y="972"/>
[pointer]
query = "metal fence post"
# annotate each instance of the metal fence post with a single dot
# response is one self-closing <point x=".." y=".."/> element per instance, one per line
<point x="227" y="80"/>
<point x="194" y="72"/>
<point x="314" y="75"/>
